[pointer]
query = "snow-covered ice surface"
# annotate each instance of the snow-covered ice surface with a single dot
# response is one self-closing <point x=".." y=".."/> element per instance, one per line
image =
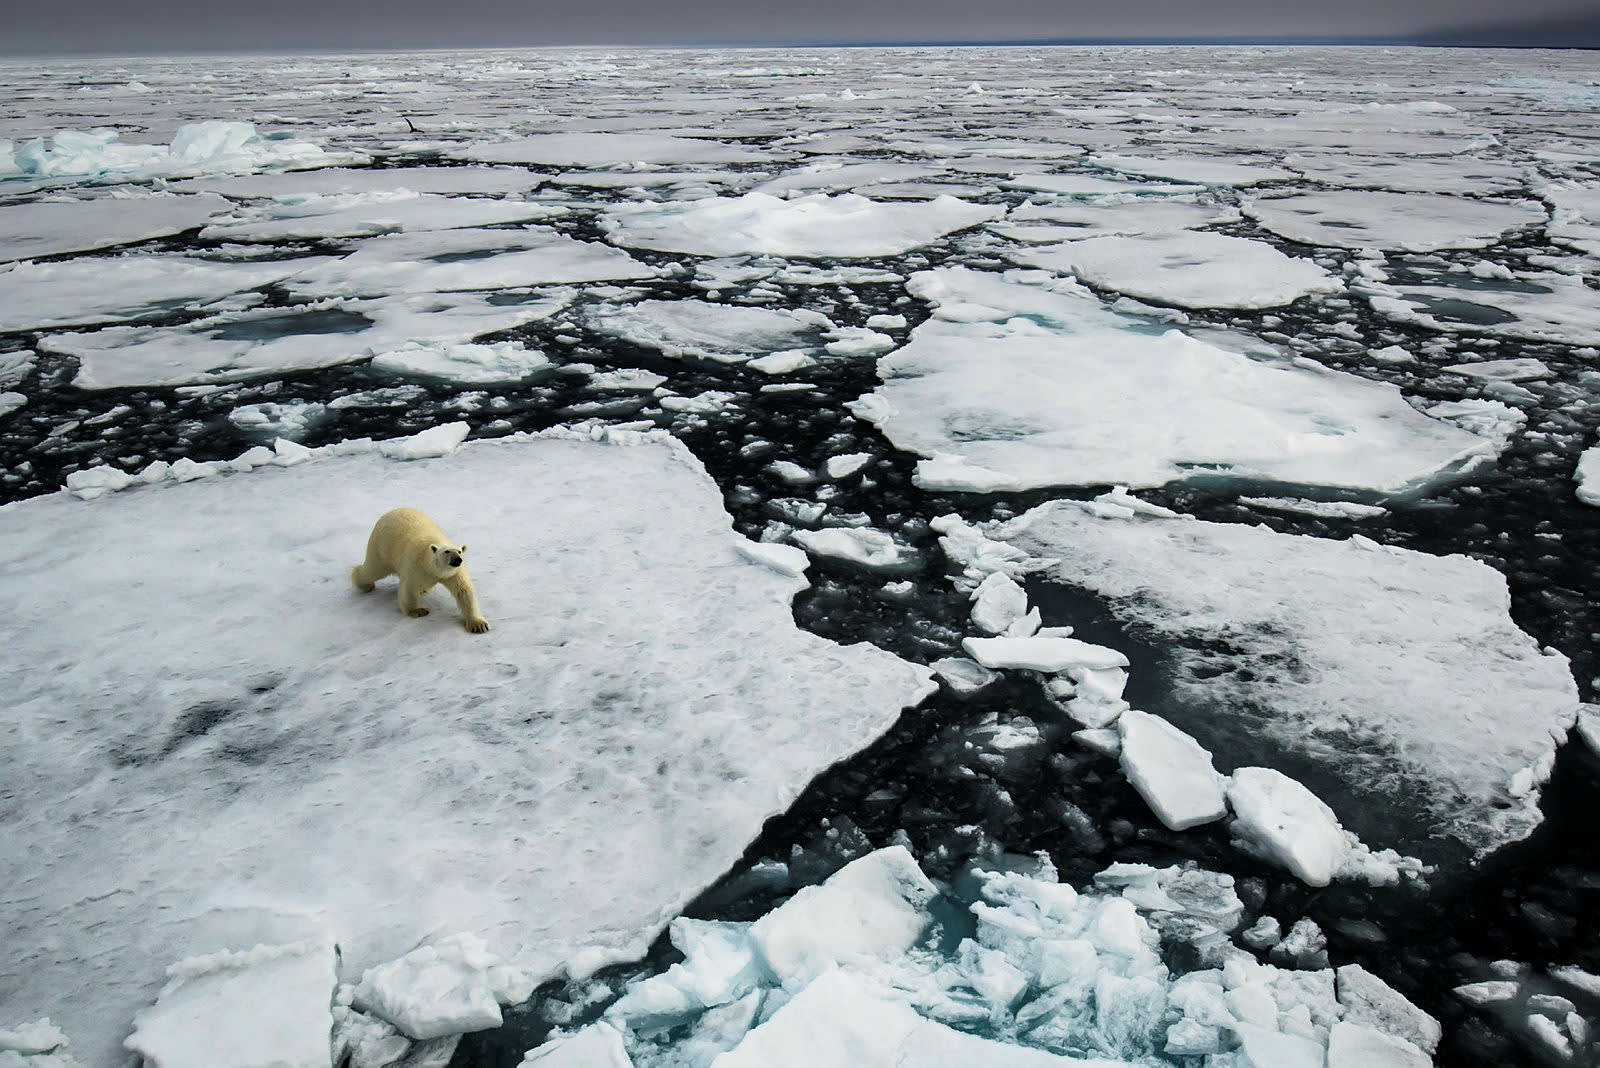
<point x="462" y="231"/>
<point x="1012" y="385"/>
<point x="222" y="792"/>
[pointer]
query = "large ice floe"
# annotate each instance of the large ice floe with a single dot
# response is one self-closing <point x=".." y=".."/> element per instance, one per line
<point x="1071" y="219"/>
<point x="1191" y="270"/>
<point x="1534" y="305"/>
<point x="1409" y="222"/>
<point x="845" y="226"/>
<point x="872" y="970"/>
<point x="1015" y="380"/>
<point x="1388" y="668"/>
<point x="49" y="228"/>
<point x="237" y="345"/>
<point x="1201" y="170"/>
<point x="608" y="149"/>
<point x="455" y="260"/>
<point x="314" y="217"/>
<point x="248" y="751"/>
<point x="128" y="288"/>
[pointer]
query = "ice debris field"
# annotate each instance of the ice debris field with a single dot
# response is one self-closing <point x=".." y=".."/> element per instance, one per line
<point x="1059" y="556"/>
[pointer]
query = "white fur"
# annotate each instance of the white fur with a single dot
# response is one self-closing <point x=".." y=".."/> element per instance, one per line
<point x="407" y="543"/>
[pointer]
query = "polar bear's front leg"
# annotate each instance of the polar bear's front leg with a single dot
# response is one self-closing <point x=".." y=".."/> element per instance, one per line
<point x="460" y="587"/>
<point x="409" y="596"/>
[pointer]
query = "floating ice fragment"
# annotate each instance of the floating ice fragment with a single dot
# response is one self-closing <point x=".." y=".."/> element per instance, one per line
<point x="998" y="602"/>
<point x="500" y="363"/>
<point x="50" y="228"/>
<point x="1050" y="655"/>
<point x="1414" y="222"/>
<point x="266" y="1007"/>
<point x="1522" y="369"/>
<point x="875" y="550"/>
<point x="726" y="333"/>
<point x="962" y="675"/>
<point x="448" y="987"/>
<point x="1588" y="476"/>
<point x="1354" y="1045"/>
<point x="1369" y="1000"/>
<point x="1288" y="823"/>
<point x="1171" y="771"/>
<point x="870" y="909"/>
<point x="846" y="464"/>
<point x="435" y="441"/>
<point x="597" y="1046"/>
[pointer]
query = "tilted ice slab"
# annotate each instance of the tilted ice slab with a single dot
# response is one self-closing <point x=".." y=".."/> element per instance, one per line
<point x="608" y="150"/>
<point x="820" y="226"/>
<point x="361" y="215"/>
<point x="232" y="346"/>
<point x="1401" y="672"/>
<point x="247" y="750"/>
<point x="723" y="332"/>
<point x="1414" y="222"/>
<point x="50" y="228"/>
<point x="81" y="292"/>
<point x="1008" y="399"/>
<point x="454" y="260"/>
<point x="1070" y="219"/>
<point x="1198" y="169"/>
<point x="199" y="147"/>
<point x="335" y="180"/>
<point x="1190" y="270"/>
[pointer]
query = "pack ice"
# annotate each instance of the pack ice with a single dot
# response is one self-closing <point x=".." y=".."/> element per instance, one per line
<point x="226" y="745"/>
<point x="1309" y="645"/>
<point x="879" y="966"/>
<point x="1019" y="382"/>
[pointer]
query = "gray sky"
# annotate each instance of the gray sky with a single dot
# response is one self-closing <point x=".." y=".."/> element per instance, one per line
<point x="157" y="26"/>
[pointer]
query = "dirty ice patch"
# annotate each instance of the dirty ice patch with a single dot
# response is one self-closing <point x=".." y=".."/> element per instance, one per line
<point x="1407" y="222"/>
<point x="197" y="148"/>
<point x="704" y="330"/>
<point x="241" y="748"/>
<point x="1199" y="170"/>
<point x="234" y="346"/>
<point x="819" y="226"/>
<point x="1400" y="673"/>
<point x="314" y="218"/>
<point x="1533" y="305"/>
<point x="1013" y="405"/>
<point x="1190" y="270"/>
<point x="607" y="150"/>
<point x="49" y="228"/>
<point x="1070" y="220"/>
<point x="82" y="292"/>
<point x="445" y="261"/>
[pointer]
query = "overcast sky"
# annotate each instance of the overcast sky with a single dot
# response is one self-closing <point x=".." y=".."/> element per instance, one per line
<point x="157" y="26"/>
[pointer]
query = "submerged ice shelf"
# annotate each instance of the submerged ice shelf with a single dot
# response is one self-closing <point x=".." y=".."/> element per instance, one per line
<point x="446" y="783"/>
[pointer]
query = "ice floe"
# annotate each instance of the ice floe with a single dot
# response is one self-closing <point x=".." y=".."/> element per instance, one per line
<point x="49" y="228"/>
<point x="1200" y="170"/>
<point x="457" y="260"/>
<point x="1412" y="222"/>
<point x="1536" y="305"/>
<point x="1068" y="220"/>
<point x="315" y="218"/>
<point x="82" y="292"/>
<point x="709" y="331"/>
<point x="270" y="706"/>
<point x="333" y="181"/>
<point x="449" y="987"/>
<point x="1588" y="476"/>
<point x="1171" y="771"/>
<point x="1013" y="385"/>
<point x="1330" y="640"/>
<point x="608" y="149"/>
<point x="501" y="363"/>
<point x="238" y="345"/>
<point x="819" y="226"/>
<point x="1191" y="270"/>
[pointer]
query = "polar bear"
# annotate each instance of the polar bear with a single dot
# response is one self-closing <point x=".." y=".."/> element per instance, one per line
<point x="407" y="543"/>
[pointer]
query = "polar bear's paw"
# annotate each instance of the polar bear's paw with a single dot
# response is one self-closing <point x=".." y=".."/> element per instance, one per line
<point x="416" y="613"/>
<point x="476" y="626"/>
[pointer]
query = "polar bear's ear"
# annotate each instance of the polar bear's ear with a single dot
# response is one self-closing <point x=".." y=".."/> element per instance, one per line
<point x="434" y="549"/>
<point x="462" y="549"/>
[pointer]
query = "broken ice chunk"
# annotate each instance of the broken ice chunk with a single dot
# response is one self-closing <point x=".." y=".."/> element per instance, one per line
<point x="998" y="602"/>
<point x="719" y="966"/>
<point x="1288" y="823"/>
<point x="1049" y="655"/>
<point x="597" y="1046"/>
<point x="872" y="907"/>
<point x="453" y="986"/>
<point x="874" y="550"/>
<point x="1354" y="1045"/>
<point x="433" y="442"/>
<point x="267" y="1006"/>
<point x="1369" y="1000"/>
<point x="1171" y="771"/>
<point x="962" y="675"/>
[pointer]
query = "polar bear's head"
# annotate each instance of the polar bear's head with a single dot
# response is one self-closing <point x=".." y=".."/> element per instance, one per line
<point x="447" y="558"/>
